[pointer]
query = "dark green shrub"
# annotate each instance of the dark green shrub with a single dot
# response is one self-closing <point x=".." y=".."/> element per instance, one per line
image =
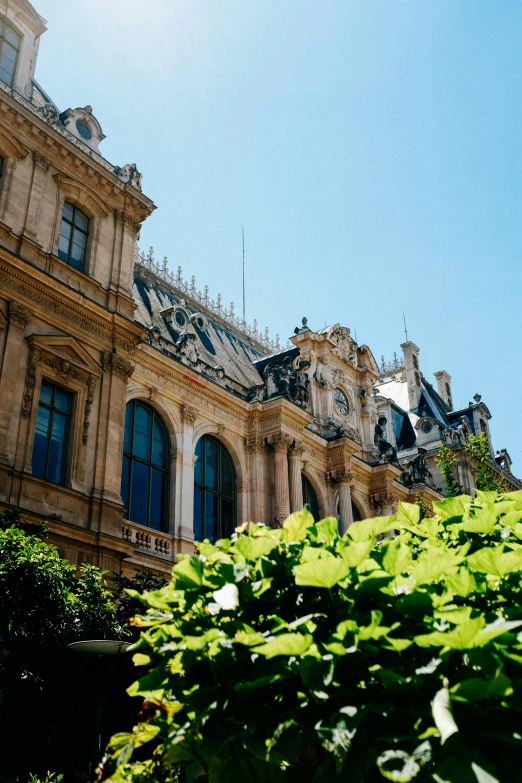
<point x="296" y="655"/>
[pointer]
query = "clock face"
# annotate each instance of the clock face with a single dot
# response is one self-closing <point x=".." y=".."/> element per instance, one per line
<point x="341" y="403"/>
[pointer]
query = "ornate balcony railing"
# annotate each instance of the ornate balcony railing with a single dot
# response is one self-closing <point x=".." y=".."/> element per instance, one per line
<point x="147" y="540"/>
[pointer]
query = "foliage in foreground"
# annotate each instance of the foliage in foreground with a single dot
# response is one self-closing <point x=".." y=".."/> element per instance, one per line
<point x="297" y="655"/>
<point x="44" y="608"/>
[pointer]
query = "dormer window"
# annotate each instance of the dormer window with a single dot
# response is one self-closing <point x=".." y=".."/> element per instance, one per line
<point x="9" y="49"/>
<point x="74" y="232"/>
<point x="83" y="130"/>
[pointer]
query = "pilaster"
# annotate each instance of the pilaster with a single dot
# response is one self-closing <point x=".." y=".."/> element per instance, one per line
<point x="12" y="380"/>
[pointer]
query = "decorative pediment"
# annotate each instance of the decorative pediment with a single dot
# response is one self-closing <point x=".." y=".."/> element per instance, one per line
<point x="27" y="15"/>
<point x="82" y="196"/>
<point x="68" y="350"/>
<point x="367" y="360"/>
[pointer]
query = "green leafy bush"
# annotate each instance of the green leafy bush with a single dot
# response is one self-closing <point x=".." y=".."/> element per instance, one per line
<point x="297" y="655"/>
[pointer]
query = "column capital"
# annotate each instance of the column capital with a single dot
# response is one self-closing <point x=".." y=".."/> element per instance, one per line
<point x="41" y="160"/>
<point x="296" y="450"/>
<point x="341" y="476"/>
<point x="255" y="444"/>
<point x="19" y="315"/>
<point x="117" y="365"/>
<point x="188" y="414"/>
<point x="280" y="441"/>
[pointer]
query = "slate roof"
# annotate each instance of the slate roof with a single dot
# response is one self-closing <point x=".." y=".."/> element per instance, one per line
<point x="219" y="346"/>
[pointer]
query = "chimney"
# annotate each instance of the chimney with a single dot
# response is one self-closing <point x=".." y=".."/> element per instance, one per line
<point x="444" y="387"/>
<point x="413" y="378"/>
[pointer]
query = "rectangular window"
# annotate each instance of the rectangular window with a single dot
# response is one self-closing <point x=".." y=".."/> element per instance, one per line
<point x="51" y="436"/>
<point x="74" y="232"/>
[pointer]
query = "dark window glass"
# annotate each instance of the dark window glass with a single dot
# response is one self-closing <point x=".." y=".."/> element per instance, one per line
<point x="83" y="130"/>
<point x="9" y="49"/>
<point x="74" y="231"/>
<point x="309" y="498"/>
<point x="145" y="469"/>
<point x="214" y="491"/>
<point x="51" y="433"/>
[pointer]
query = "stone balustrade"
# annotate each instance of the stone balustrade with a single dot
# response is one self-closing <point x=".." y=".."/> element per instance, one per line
<point x="147" y="540"/>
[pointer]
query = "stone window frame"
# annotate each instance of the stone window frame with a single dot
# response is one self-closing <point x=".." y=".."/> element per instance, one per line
<point x="11" y="150"/>
<point x="82" y="197"/>
<point x="79" y="376"/>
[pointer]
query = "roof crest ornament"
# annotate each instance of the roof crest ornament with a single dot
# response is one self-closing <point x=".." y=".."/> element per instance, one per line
<point x="188" y="289"/>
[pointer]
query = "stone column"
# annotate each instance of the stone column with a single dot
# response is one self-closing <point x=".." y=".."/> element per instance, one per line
<point x="255" y="448"/>
<point x="280" y="442"/>
<point x="12" y="381"/>
<point x="40" y="169"/>
<point x="107" y="485"/>
<point x="295" y="455"/>
<point x="344" y="478"/>
<point x="186" y="460"/>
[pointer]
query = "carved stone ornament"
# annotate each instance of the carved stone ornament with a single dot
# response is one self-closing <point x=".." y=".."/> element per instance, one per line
<point x="117" y="365"/>
<point x="255" y="444"/>
<point x="48" y="112"/>
<point x="19" y="315"/>
<point x="188" y="414"/>
<point x="221" y="430"/>
<point x="296" y="450"/>
<point x="129" y="174"/>
<point x="91" y="388"/>
<point x="341" y="476"/>
<point x="30" y="380"/>
<point x="345" y="349"/>
<point x="41" y="160"/>
<point x="280" y="441"/>
<point x="128" y="220"/>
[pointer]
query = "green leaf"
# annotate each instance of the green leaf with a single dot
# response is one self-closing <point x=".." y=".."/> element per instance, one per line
<point x="324" y="572"/>
<point x="254" y="548"/>
<point x="152" y="685"/>
<point x="397" y="557"/>
<point x="476" y="688"/>
<point x="481" y="774"/>
<point x="462" y="582"/>
<point x="452" y="507"/>
<point x="494" y="561"/>
<point x="356" y="553"/>
<point x="295" y="527"/>
<point x="188" y="572"/>
<point x="370" y="528"/>
<point x="397" y="765"/>
<point x="285" y="644"/>
<point x="261" y="682"/>
<point x="327" y="530"/>
<point x="409" y="513"/>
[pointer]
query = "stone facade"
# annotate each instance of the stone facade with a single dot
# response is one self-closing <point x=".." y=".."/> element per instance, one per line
<point x="123" y="328"/>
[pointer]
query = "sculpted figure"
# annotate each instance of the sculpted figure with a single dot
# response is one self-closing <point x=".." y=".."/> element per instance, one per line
<point x="299" y="384"/>
<point x="186" y="344"/>
<point x="386" y="451"/>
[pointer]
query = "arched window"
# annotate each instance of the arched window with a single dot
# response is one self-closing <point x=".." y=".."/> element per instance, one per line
<point x="214" y="491"/>
<point x="309" y="498"/>
<point x="9" y="49"/>
<point x="145" y="469"/>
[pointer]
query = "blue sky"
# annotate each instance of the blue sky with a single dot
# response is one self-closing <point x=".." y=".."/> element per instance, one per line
<point x="370" y="148"/>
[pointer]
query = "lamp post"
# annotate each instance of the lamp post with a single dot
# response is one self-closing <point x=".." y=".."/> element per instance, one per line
<point x="99" y="648"/>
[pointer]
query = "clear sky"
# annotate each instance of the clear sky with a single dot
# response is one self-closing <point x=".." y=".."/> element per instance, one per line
<point x="370" y="148"/>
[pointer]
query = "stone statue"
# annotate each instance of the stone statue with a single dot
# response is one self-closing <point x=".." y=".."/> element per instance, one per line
<point x="346" y="348"/>
<point x="419" y="468"/>
<point x="386" y="451"/>
<point x="462" y="430"/>
<point x="299" y="384"/>
<point x="186" y="345"/>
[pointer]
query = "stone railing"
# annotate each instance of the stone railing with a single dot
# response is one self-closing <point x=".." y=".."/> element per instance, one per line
<point x="201" y="298"/>
<point x="147" y="540"/>
<point x="49" y="114"/>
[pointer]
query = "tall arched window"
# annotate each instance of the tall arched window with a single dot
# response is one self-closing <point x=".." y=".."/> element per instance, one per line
<point x="310" y="498"/>
<point x="9" y="49"/>
<point x="214" y="491"/>
<point x="144" y="477"/>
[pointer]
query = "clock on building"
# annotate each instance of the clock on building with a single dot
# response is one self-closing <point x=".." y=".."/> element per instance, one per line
<point x="341" y="402"/>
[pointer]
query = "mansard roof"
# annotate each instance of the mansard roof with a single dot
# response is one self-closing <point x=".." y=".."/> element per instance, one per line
<point x="219" y="345"/>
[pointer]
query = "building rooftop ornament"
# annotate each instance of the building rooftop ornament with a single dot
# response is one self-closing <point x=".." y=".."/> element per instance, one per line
<point x="201" y="298"/>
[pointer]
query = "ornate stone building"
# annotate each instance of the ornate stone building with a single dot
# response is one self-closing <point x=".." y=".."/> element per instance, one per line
<point x="136" y="413"/>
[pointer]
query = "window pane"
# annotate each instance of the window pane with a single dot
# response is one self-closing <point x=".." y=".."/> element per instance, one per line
<point x="76" y="258"/>
<point x="12" y="36"/>
<point x="63" y="248"/>
<point x="159" y="450"/>
<point x="62" y="401"/>
<point x="59" y="426"/>
<point x="198" y="467"/>
<point x="142" y="432"/>
<point x="127" y="438"/>
<point x="157" y="499"/>
<point x="211" y="464"/>
<point x="46" y="394"/>
<point x="124" y="491"/>
<point x="81" y="220"/>
<point x="211" y="515"/>
<point x="139" y="493"/>
<point x="9" y="52"/>
<point x="227" y="475"/>
<point x="54" y="471"/>
<point x="227" y="518"/>
<point x="198" y="514"/>
<point x="79" y="238"/>
<point x="68" y="211"/>
<point x="6" y="76"/>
